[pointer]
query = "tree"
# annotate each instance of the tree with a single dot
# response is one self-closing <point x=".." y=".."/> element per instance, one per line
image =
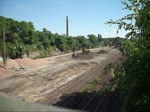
<point x="133" y="77"/>
<point x="94" y="40"/>
<point x="83" y="42"/>
<point x="99" y="38"/>
<point x="61" y="43"/>
<point x="21" y="38"/>
<point x="71" y="43"/>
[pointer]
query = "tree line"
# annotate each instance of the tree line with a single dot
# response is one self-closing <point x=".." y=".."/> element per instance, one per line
<point x="21" y="37"/>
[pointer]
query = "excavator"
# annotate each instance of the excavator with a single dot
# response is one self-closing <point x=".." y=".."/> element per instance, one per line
<point x="75" y="51"/>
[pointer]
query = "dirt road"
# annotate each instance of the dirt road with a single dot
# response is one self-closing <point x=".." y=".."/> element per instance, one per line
<point x="40" y="83"/>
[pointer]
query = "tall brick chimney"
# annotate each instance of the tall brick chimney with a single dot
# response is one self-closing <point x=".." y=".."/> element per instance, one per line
<point x="67" y="27"/>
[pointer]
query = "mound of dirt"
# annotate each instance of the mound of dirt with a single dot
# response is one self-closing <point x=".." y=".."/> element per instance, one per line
<point x="12" y="64"/>
<point x="102" y="52"/>
<point x="85" y="56"/>
<point x="26" y="62"/>
<point x="2" y="72"/>
<point x="16" y="64"/>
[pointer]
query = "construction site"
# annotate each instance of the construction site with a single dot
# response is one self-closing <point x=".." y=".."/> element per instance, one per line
<point x="74" y="56"/>
<point x="56" y="80"/>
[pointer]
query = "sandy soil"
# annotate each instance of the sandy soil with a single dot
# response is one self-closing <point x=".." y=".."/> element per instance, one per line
<point x="43" y="76"/>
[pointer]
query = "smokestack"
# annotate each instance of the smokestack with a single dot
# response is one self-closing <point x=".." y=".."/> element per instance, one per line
<point x="67" y="27"/>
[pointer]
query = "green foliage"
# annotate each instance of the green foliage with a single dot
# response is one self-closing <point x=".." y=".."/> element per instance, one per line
<point x="94" y="40"/>
<point x="94" y="82"/>
<point x="133" y="77"/>
<point x="99" y="39"/>
<point x="83" y="42"/>
<point x="21" y="38"/>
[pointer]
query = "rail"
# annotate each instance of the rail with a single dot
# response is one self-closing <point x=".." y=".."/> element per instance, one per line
<point x="84" y="78"/>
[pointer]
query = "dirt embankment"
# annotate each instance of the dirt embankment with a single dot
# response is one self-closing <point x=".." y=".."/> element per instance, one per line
<point x="51" y="74"/>
<point x="14" y="65"/>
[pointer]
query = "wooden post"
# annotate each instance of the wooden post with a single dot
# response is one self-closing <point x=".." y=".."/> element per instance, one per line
<point x="4" y="49"/>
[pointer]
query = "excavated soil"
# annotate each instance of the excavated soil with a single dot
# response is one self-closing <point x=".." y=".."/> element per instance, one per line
<point x="44" y="77"/>
<point x="88" y="56"/>
<point x="102" y="52"/>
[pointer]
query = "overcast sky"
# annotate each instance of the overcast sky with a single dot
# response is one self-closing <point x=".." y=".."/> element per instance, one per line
<point x="85" y="16"/>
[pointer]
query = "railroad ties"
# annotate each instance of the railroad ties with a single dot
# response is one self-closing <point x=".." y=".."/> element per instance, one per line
<point x="72" y="95"/>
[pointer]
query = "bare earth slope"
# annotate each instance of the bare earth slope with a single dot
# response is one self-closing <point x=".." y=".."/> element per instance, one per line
<point x="44" y="76"/>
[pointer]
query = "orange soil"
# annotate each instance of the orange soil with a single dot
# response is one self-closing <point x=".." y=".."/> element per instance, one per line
<point x="27" y="62"/>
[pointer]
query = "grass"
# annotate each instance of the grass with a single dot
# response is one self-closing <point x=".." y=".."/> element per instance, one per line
<point x="92" y="84"/>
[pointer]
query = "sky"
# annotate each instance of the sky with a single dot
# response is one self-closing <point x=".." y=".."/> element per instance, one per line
<point x="85" y="16"/>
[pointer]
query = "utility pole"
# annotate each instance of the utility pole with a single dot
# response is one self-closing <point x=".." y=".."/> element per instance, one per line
<point x="67" y="27"/>
<point x="4" y="49"/>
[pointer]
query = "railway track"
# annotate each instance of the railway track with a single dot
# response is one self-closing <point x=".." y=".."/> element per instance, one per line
<point x="78" y="83"/>
<point x="63" y="93"/>
<point x="80" y="87"/>
<point x="94" y="103"/>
